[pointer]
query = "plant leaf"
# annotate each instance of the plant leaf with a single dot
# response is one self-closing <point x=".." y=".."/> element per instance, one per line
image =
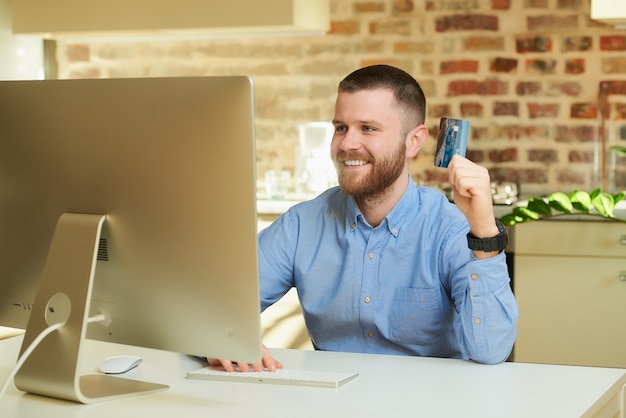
<point x="604" y="204"/>
<point x="560" y="202"/>
<point x="618" y="149"/>
<point x="525" y="213"/>
<point x="537" y="207"/>
<point x="537" y="204"/>
<point x="594" y="193"/>
<point x="580" y="200"/>
<point x="511" y="219"/>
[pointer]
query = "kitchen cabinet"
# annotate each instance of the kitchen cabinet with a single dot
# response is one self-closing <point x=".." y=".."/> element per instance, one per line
<point x="114" y="17"/>
<point x="570" y="285"/>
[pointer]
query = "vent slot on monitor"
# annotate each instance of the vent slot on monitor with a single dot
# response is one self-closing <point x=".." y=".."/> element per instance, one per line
<point x="103" y="250"/>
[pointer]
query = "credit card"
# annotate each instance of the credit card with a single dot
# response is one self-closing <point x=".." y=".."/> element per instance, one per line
<point x="452" y="140"/>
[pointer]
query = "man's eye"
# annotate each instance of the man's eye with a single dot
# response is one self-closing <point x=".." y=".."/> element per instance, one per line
<point x="368" y="128"/>
<point x="340" y="128"/>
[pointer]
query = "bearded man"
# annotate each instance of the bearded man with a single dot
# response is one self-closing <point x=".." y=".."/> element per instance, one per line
<point x="384" y="266"/>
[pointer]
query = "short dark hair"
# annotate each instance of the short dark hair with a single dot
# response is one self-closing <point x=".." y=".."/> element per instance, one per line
<point x="406" y="90"/>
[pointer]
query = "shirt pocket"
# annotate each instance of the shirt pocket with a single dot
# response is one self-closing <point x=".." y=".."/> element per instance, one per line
<point x="416" y="316"/>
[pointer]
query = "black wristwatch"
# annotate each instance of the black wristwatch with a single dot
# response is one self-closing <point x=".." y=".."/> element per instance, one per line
<point x="497" y="243"/>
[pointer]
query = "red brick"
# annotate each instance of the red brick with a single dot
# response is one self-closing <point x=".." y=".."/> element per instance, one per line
<point x="462" y="66"/>
<point x="536" y="4"/>
<point x="470" y="87"/>
<point x="439" y="111"/>
<point x="533" y="44"/>
<point x="344" y="27"/>
<point x="568" y="88"/>
<point x="414" y="47"/>
<point x="403" y="6"/>
<point x="493" y="87"/>
<point x="569" y="4"/>
<point x="551" y="22"/>
<point x="528" y="88"/>
<point x="540" y="66"/>
<point x="392" y="27"/>
<point x="433" y="176"/>
<point x="477" y="156"/>
<point x="613" y="43"/>
<point x="471" y="109"/>
<point x="503" y="155"/>
<point x="576" y="43"/>
<point x="452" y="5"/>
<point x="480" y="133"/>
<point x="520" y="132"/>
<point x="570" y="176"/>
<point x="466" y="22"/>
<point x="368" y="6"/>
<point x="506" y="109"/>
<point x="543" y="110"/>
<point x="484" y="43"/>
<point x="503" y="65"/>
<point x="614" y="65"/>
<point x="584" y="111"/>
<point x="613" y="87"/>
<point x="620" y="111"/>
<point x="463" y="88"/>
<point x="578" y="156"/>
<point x="500" y="4"/>
<point x="576" y="133"/>
<point x="575" y="66"/>
<point x="543" y="155"/>
<point x="531" y="175"/>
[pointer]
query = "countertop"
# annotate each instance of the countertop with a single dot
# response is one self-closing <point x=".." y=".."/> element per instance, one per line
<point x="277" y="207"/>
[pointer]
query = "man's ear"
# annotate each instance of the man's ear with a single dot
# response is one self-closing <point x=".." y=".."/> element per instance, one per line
<point x="415" y="140"/>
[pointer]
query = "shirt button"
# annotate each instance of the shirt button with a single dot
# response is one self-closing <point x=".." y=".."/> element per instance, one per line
<point x="474" y="276"/>
<point x="370" y="333"/>
<point x="368" y="299"/>
<point x="371" y="256"/>
<point x="353" y="225"/>
<point x="477" y="321"/>
<point x="394" y="231"/>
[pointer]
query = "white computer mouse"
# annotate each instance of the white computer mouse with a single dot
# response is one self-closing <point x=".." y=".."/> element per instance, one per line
<point x="119" y="364"/>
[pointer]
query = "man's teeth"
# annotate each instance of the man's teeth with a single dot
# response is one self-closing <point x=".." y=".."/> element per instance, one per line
<point x="355" y="162"/>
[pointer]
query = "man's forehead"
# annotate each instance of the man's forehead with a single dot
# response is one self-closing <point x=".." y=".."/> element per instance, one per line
<point x="364" y="105"/>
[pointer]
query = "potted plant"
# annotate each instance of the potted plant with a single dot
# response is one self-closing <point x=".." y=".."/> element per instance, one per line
<point x="578" y="202"/>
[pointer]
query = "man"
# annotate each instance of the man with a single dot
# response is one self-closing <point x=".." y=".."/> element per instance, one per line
<point x="382" y="265"/>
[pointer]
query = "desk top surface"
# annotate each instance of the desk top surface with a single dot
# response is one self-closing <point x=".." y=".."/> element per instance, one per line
<point x="386" y="386"/>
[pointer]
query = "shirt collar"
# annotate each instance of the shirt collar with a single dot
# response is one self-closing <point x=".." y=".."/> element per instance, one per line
<point x="394" y="219"/>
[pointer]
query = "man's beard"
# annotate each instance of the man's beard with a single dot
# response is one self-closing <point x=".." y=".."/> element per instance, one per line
<point x="383" y="173"/>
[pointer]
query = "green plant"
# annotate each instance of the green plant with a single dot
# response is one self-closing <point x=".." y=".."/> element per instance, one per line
<point x="620" y="150"/>
<point x="577" y="202"/>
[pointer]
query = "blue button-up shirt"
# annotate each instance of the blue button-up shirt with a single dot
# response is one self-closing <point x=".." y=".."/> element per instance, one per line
<point x="408" y="286"/>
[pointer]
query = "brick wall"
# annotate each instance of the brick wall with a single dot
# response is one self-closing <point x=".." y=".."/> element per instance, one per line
<point x="535" y="77"/>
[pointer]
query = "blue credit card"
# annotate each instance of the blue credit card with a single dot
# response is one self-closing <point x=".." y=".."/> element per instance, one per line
<point x="452" y="140"/>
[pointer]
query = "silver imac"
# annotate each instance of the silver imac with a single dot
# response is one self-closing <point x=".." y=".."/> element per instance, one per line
<point x="129" y="203"/>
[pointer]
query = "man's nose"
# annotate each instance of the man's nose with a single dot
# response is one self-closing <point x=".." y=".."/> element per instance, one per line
<point x="349" y="140"/>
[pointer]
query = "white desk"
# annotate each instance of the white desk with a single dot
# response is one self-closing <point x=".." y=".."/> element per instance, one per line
<point x="387" y="386"/>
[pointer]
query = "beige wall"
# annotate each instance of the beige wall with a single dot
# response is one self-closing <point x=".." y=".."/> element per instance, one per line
<point x="526" y="73"/>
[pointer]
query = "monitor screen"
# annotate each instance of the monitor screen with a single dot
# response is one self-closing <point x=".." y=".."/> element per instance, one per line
<point x="146" y="185"/>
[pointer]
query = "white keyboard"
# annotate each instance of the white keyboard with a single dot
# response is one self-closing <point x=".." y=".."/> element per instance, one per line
<point x="280" y="377"/>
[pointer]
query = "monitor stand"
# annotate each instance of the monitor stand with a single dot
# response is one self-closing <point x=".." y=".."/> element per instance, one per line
<point x="64" y="295"/>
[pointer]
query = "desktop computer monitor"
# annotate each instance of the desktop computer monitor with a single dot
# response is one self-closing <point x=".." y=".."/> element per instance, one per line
<point x="133" y="202"/>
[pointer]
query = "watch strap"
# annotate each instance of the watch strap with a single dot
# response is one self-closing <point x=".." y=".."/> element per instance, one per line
<point x="496" y="243"/>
